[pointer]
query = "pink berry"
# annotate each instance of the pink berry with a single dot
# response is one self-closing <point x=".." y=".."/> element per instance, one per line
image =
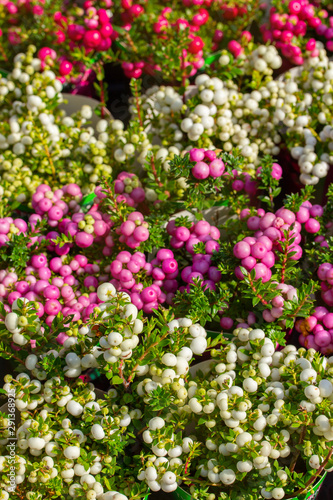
<point x="169" y="266"/>
<point x="197" y="155"/>
<point x="182" y="233"/>
<point x="141" y="234"/>
<point x="84" y="240"/>
<point x="316" y="211"/>
<point x="312" y="226"/>
<point x="200" y="170"/>
<point x="258" y="250"/>
<point x="242" y="250"/>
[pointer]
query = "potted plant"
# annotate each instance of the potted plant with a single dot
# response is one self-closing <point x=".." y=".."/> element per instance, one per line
<point x="68" y="438"/>
<point x="257" y="424"/>
<point x="171" y="44"/>
<point x="72" y="38"/>
<point x="42" y="149"/>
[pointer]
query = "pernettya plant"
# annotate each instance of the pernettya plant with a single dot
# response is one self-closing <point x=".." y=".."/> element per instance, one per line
<point x="256" y="423"/>
<point x="38" y="141"/>
<point x="74" y="442"/>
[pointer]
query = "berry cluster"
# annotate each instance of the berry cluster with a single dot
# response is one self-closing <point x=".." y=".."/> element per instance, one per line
<point x="223" y="390"/>
<point x="287" y="292"/>
<point x="62" y="211"/>
<point x="200" y="231"/>
<point x="58" y="285"/>
<point x="71" y="30"/>
<point x="288" y="30"/>
<point x="201" y="268"/>
<point x="325" y="274"/>
<point x="316" y="331"/>
<point x="167" y="24"/>
<point x="259" y="251"/>
<point x="60" y="445"/>
<point x="211" y="167"/>
<point x="134" y="230"/>
<point x="129" y="189"/>
<point x="128" y="272"/>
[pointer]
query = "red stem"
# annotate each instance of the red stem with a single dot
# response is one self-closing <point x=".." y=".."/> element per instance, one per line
<point x="3" y="53"/>
<point x="138" y="105"/>
<point x="253" y="288"/>
<point x="153" y="168"/>
<point x="284" y="262"/>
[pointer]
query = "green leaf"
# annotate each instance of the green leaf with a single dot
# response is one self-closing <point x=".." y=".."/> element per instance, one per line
<point x="116" y="380"/>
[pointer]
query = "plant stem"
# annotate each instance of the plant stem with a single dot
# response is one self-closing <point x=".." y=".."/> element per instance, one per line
<point x="130" y="41"/>
<point x="137" y="104"/>
<point x="3" y="53"/>
<point x="144" y="355"/>
<point x="153" y="169"/>
<point x="183" y="68"/>
<point x="48" y="154"/>
<point x="99" y="70"/>
<point x="253" y="288"/>
<point x="300" y="441"/>
<point x="121" y="375"/>
<point x="284" y="262"/>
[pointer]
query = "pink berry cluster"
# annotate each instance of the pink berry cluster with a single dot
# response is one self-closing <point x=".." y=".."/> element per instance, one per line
<point x="56" y="204"/>
<point x="287" y="30"/>
<point x="201" y="268"/>
<point x="242" y="181"/>
<point x="62" y="211"/>
<point x="206" y="164"/>
<point x="59" y="284"/>
<point x="129" y="189"/>
<point x="287" y="292"/>
<point x="316" y="331"/>
<point x="152" y="283"/>
<point x="168" y="22"/>
<point x="9" y="227"/>
<point x="132" y="272"/>
<point x="29" y="7"/>
<point x="133" y="231"/>
<point x="259" y="251"/>
<point x="200" y="231"/>
<point x="325" y="274"/>
<point x="92" y="32"/>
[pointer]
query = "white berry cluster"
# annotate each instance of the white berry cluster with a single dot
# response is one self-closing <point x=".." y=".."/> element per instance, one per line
<point x="250" y="407"/>
<point x="253" y="62"/>
<point x="17" y="322"/>
<point x="38" y="140"/>
<point x="158" y="472"/>
<point x="128" y="146"/>
<point x="80" y="350"/>
<point x="172" y="366"/>
<point x="217" y="114"/>
<point x="264" y="59"/>
<point x="67" y="428"/>
<point x="309" y="128"/>
<point x="110" y="341"/>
